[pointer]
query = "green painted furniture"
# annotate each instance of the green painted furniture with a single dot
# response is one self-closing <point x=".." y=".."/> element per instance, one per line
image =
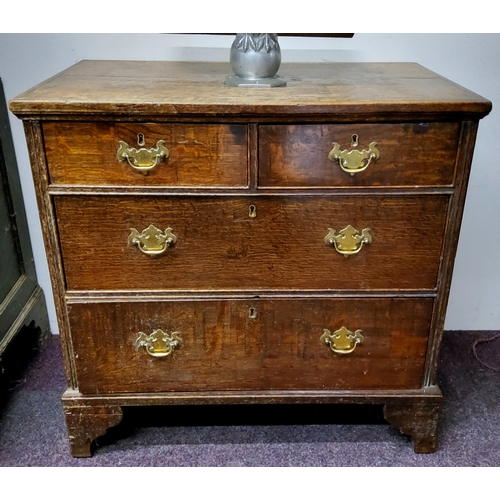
<point x="22" y="302"/>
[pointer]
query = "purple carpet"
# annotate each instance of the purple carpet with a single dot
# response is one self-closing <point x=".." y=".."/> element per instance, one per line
<point x="33" y="432"/>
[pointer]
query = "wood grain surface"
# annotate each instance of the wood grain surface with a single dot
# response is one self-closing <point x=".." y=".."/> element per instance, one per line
<point x="219" y="247"/>
<point x="200" y="155"/>
<point x="230" y="149"/>
<point x="411" y="154"/>
<point x="223" y="349"/>
<point x="156" y="88"/>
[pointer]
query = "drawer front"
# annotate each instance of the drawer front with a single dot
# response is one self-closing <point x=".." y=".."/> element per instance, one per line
<point x="198" y="155"/>
<point x="248" y="345"/>
<point x="222" y="243"/>
<point x="410" y="154"/>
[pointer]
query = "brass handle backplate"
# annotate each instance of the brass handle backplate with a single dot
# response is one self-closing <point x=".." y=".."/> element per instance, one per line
<point x="143" y="159"/>
<point x="354" y="161"/>
<point x="152" y="241"/>
<point x="159" y="344"/>
<point x="342" y="341"/>
<point x="348" y="241"/>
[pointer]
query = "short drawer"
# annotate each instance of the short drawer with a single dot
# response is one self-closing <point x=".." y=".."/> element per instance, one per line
<point x="250" y="344"/>
<point x="251" y="243"/>
<point x="391" y="155"/>
<point x="165" y="154"/>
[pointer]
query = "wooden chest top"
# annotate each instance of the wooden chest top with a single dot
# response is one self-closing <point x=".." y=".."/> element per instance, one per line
<point x="177" y="88"/>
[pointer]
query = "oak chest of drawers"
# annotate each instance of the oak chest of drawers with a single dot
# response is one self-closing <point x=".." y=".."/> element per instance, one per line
<point x="210" y="244"/>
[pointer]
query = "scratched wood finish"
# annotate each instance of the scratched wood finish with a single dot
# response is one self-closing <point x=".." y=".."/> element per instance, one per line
<point x="219" y="247"/>
<point x="88" y="423"/>
<point x="223" y="349"/>
<point x="411" y="154"/>
<point x="200" y="155"/>
<point x="160" y="88"/>
<point x="418" y="421"/>
<point x="413" y="411"/>
<point x="250" y="140"/>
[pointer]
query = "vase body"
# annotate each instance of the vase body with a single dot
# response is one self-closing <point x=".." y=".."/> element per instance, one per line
<point x="255" y="55"/>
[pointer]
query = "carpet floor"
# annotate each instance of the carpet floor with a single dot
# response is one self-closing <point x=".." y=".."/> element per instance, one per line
<point x="33" y="431"/>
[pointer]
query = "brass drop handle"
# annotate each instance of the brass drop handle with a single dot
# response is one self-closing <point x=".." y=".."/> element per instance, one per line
<point x="143" y="159"/>
<point x="342" y="341"/>
<point x="152" y="241"/>
<point x="354" y="161"/>
<point x="159" y="344"/>
<point x="348" y="241"/>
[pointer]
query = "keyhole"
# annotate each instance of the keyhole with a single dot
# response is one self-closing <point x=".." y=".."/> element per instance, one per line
<point x="354" y="140"/>
<point x="252" y="312"/>
<point x="140" y="140"/>
<point x="252" y="212"/>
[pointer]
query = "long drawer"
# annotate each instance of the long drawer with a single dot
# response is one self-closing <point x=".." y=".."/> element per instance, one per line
<point x="388" y="155"/>
<point x="229" y="243"/>
<point x="250" y="344"/>
<point x="146" y="154"/>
